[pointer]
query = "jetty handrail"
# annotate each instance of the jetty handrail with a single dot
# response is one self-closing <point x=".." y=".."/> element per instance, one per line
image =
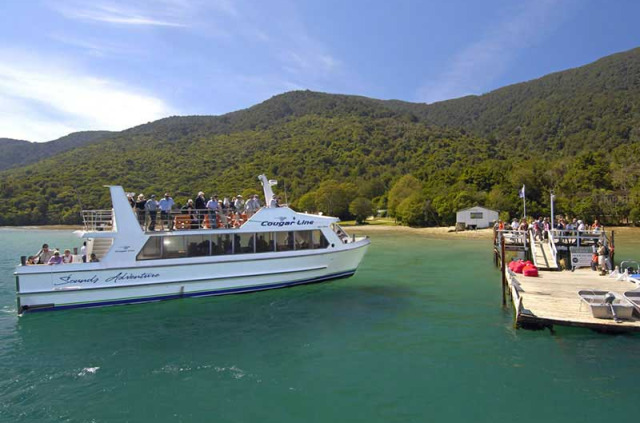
<point x="532" y="242"/>
<point x="569" y="236"/>
<point x="97" y="220"/>
<point x="552" y="245"/>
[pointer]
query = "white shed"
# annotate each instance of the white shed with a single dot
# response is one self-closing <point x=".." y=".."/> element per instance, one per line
<point x="477" y="217"/>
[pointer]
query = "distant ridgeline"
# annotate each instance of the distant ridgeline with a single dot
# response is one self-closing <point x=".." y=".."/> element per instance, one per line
<point x="575" y="132"/>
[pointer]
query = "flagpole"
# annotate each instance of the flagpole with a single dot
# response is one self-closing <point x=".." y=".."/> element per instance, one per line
<point x="524" y="201"/>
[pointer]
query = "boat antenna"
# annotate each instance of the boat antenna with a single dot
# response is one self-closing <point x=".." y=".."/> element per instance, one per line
<point x="75" y="188"/>
<point x="284" y="187"/>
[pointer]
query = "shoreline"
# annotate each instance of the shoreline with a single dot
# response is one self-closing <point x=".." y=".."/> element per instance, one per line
<point x="43" y="227"/>
<point x="447" y="232"/>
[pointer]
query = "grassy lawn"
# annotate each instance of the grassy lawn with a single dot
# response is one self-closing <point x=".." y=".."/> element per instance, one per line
<point x="377" y="221"/>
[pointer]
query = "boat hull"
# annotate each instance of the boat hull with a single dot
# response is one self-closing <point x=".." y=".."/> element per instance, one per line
<point x="156" y="281"/>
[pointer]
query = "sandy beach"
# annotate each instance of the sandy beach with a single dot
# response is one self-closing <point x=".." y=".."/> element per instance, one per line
<point x="444" y="232"/>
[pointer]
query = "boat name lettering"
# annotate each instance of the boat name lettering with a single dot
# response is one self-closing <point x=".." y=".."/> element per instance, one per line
<point x="123" y="276"/>
<point x="66" y="280"/>
<point x="280" y="224"/>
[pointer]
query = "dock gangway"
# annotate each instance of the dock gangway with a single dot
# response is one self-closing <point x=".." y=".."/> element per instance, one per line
<point x="544" y="252"/>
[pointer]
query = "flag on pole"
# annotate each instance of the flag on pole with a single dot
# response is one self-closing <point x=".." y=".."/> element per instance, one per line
<point x="521" y="193"/>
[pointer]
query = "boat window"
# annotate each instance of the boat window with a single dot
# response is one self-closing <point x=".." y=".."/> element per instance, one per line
<point x="303" y="240"/>
<point x="265" y="242"/>
<point x="244" y="243"/>
<point x="151" y="250"/>
<point x="217" y="245"/>
<point x="319" y="240"/>
<point x="284" y="241"/>
<point x="197" y="245"/>
<point x="174" y="247"/>
<point x="181" y="246"/>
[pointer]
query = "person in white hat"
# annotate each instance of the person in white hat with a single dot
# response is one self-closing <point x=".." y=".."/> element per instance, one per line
<point x="238" y="203"/>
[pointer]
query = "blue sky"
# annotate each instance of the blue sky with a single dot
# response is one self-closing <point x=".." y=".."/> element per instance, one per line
<point x="68" y="65"/>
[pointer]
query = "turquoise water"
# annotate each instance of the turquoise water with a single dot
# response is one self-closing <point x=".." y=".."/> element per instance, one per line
<point x="418" y="334"/>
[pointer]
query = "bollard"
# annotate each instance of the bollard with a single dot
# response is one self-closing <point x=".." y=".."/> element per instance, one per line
<point x="23" y="260"/>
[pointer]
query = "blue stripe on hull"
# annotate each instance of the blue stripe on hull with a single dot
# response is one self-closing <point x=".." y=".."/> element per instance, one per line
<point x="193" y="294"/>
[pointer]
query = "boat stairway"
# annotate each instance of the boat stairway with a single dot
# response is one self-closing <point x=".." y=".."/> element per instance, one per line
<point x="101" y="246"/>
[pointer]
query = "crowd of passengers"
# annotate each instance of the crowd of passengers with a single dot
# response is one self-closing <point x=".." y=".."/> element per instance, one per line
<point x="53" y="257"/>
<point x="201" y="213"/>
<point x="541" y="226"/>
<point x="601" y="252"/>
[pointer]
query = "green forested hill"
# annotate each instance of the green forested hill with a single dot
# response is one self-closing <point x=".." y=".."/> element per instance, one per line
<point x="574" y="132"/>
<point x="586" y="108"/>
<point x="16" y="153"/>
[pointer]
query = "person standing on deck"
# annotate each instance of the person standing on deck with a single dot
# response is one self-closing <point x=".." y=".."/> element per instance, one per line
<point x="140" y="209"/>
<point x="252" y="205"/>
<point x="83" y="252"/>
<point x="238" y="203"/>
<point x="166" y="205"/>
<point x="213" y="208"/>
<point x="152" y="208"/>
<point x="201" y="207"/>
<point x="274" y="202"/>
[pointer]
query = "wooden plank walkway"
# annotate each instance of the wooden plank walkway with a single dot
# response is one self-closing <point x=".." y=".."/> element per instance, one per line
<point x="552" y="299"/>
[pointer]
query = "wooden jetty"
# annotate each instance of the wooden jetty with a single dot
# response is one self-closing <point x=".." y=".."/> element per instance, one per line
<point x="552" y="298"/>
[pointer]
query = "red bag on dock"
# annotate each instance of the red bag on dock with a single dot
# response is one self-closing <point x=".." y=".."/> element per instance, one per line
<point x="518" y="266"/>
<point x="530" y="270"/>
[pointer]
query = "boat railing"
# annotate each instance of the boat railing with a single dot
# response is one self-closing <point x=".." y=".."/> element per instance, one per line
<point x="192" y="219"/>
<point x="97" y="220"/>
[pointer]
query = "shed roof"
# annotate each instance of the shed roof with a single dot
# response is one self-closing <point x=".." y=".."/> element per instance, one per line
<point x="480" y="207"/>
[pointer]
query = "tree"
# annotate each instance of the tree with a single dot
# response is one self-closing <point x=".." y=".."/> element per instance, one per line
<point x="401" y="190"/>
<point x="308" y="202"/>
<point x="411" y="211"/>
<point x="333" y="198"/>
<point x="361" y="208"/>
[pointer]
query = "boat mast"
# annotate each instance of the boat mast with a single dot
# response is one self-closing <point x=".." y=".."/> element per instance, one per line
<point x="266" y="187"/>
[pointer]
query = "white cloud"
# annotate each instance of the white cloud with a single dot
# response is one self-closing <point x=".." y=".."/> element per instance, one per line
<point x="114" y="13"/>
<point x="39" y="102"/>
<point x="473" y="69"/>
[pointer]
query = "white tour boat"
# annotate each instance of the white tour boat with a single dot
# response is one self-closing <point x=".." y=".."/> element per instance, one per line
<point x="276" y="247"/>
